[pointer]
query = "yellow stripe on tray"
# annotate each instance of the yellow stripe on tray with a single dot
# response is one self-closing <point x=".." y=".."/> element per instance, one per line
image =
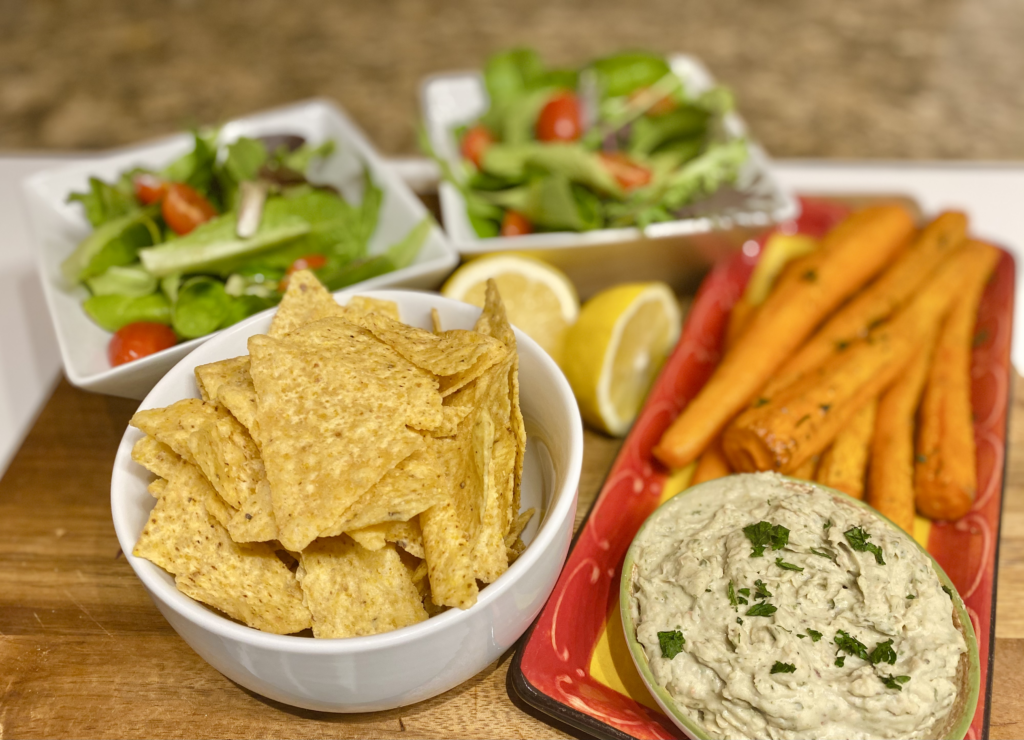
<point x="611" y="663"/>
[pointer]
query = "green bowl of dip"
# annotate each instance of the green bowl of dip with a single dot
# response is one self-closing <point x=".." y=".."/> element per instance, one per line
<point x="781" y="568"/>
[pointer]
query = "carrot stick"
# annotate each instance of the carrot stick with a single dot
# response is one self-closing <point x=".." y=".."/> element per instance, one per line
<point x="845" y="463"/>
<point x="891" y="480"/>
<point x="945" y="473"/>
<point x="850" y="255"/>
<point x="893" y="289"/>
<point x="809" y="469"/>
<point x="711" y="464"/>
<point x="781" y="252"/>
<point x="782" y="432"/>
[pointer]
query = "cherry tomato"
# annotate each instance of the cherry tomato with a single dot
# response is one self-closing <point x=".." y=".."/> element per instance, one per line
<point x="514" y="223"/>
<point x="628" y="173"/>
<point x="184" y="209"/>
<point x="309" y="262"/>
<point x="560" y="119"/>
<point x="149" y="189"/>
<point x="139" y="340"/>
<point x="664" y="105"/>
<point x="475" y="143"/>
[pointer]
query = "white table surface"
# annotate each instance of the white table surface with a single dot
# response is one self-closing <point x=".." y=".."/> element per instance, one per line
<point x="992" y="195"/>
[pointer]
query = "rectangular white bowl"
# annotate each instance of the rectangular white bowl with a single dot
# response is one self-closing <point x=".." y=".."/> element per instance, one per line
<point x="58" y="227"/>
<point x="675" y="251"/>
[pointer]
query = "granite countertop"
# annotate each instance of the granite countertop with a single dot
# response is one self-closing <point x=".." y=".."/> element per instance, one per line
<point x="895" y="79"/>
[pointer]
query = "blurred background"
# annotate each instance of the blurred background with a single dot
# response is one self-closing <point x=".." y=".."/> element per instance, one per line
<point x="891" y="79"/>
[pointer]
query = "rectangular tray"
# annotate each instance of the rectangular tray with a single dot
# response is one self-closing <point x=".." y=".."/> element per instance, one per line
<point x="573" y="665"/>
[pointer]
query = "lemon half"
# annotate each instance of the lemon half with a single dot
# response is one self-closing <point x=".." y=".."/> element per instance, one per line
<point x="539" y="299"/>
<point x="614" y="351"/>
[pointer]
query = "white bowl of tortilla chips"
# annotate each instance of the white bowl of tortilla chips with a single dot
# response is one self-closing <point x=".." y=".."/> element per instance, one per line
<point x="391" y="462"/>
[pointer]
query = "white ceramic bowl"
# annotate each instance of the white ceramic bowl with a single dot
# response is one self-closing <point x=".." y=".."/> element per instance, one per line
<point x="58" y="227"/>
<point x="678" y="252"/>
<point x="394" y="669"/>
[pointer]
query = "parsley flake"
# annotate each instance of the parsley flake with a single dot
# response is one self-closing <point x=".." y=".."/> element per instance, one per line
<point x="763" y="534"/>
<point x="858" y="540"/>
<point x="671" y="643"/>
<point x="894" y="682"/>
<point x="911" y="596"/>
<point x="739" y="621"/>
<point x="815" y="635"/>
<point x="883" y="653"/>
<point x="799" y="636"/>
<point x="788" y="566"/>
<point x="745" y="591"/>
<point x="851" y="645"/>
<point x="948" y="591"/>
<point x="731" y="594"/>
<point x="761" y="610"/>
<point x="783" y="668"/>
<point x="840" y="661"/>
<point x="760" y="402"/>
<point x="820" y="553"/>
<point x="762" y="591"/>
<point x="828" y="525"/>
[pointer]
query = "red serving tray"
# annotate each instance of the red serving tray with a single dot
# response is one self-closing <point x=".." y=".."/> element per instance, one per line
<point x="552" y="670"/>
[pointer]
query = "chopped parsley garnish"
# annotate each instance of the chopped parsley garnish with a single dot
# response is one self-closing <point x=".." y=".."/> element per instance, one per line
<point x="911" y="596"/>
<point x="820" y="553"/>
<point x="894" y="682"/>
<point x="828" y="525"/>
<point x="783" y="668"/>
<point x="840" y="661"/>
<point x="760" y="402"/>
<point x="763" y="534"/>
<point x="851" y="645"/>
<point x="762" y="591"/>
<point x="799" y="636"/>
<point x="949" y="593"/>
<point x="883" y="653"/>
<point x="761" y="610"/>
<point x="788" y="566"/>
<point x="815" y="635"/>
<point x="707" y="590"/>
<point x="858" y="540"/>
<point x="731" y="594"/>
<point x="671" y="643"/>
<point x="745" y="591"/>
<point x="739" y="621"/>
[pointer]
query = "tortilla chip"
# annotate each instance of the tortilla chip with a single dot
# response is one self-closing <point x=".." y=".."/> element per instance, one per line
<point x="450" y="528"/>
<point x="515" y="550"/>
<point x="518" y="525"/>
<point x="435" y="320"/>
<point x="352" y="591"/>
<point x="334" y="410"/>
<point x="406" y="535"/>
<point x="156" y="457"/>
<point x="449" y="353"/>
<point x="305" y="300"/>
<point x="365" y="304"/>
<point x="411" y="487"/>
<point x="246" y="582"/>
<point x="156" y="488"/>
<point x="212" y="376"/>
<point x="174" y="425"/>
<point x="454" y="383"/>
<point x="255" y="521"/>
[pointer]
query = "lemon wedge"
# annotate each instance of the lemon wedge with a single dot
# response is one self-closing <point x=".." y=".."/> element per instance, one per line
<point x="614" y="351"/>
<point x="538" y="298"/>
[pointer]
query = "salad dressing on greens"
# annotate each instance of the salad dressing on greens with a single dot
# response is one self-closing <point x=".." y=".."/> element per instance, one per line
<point x="770" y="608"/>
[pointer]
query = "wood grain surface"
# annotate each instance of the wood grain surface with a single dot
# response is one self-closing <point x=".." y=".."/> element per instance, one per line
<point x="84" y="653"/>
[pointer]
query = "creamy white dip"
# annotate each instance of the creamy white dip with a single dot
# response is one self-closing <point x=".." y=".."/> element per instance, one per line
<point x="693" y="549"/>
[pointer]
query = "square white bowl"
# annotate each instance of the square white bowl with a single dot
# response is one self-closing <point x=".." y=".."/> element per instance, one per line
<point x="392" y="669"/>
<point x="58" y="227"/>
<point x="675" y="251"/>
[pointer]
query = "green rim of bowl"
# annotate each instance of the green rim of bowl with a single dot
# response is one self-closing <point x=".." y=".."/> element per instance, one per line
<point x="679" y="715"/>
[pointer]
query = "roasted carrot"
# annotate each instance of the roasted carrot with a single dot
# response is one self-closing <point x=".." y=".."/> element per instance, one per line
<point x="803" y="419"/>
<point x="891" y="479"/>
<point x="780" y="252"/>
<point x="850" y="255"/>
<point x="945" y="475"/>
<point x="809" y="469"/>
<point x="879" y="300"/>
<point x="711" y="464"/>
<point x="844" y="465"/>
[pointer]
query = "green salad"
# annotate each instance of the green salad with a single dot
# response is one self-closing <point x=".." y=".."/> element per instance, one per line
<point x="210" y="239"/>
<point x="619" y="142"/>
